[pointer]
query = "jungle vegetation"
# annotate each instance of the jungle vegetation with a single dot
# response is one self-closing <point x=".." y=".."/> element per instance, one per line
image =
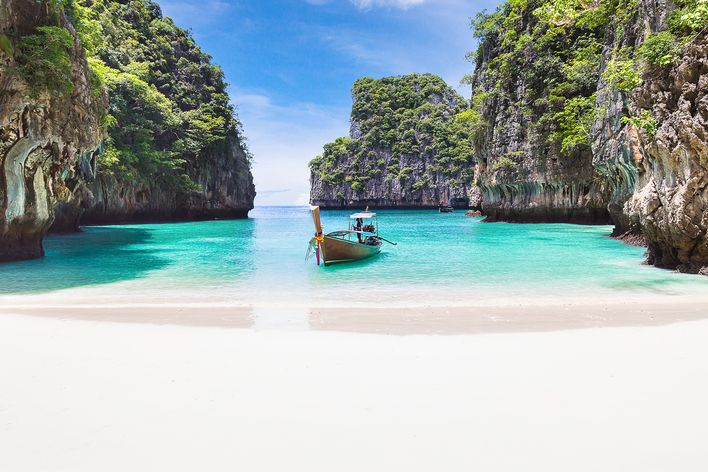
<point x="400" y="117"/>
<point x="555" y="49"/>
<point x="168" y="105"/>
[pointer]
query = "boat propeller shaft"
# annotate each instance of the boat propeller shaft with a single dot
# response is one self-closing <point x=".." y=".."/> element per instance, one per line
<point x="390" y="242"/>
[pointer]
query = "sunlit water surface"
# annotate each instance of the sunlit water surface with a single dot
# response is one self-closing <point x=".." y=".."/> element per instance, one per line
<point x="440" y="259"/>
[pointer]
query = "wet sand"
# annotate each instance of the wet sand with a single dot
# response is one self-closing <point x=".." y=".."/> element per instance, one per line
<point x="511" y="318"/>
<point x="81" y="395"/>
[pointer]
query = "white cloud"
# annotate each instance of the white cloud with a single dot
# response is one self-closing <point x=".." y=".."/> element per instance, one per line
<point x="366" y="49"/>
<point x="283" y="139"/>
<point x="186" y="12"/>
<point x="403" y="4"/>
<point x="443" y="38"/>
<point x="368" y="4"/>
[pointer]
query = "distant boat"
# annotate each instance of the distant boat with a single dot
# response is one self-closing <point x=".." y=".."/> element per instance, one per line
<point x="360" y="241"/>
<point x="445" y="209"/>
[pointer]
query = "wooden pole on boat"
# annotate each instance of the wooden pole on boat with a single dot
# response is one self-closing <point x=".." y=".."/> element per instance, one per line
<point x="316" y="220"/>
<point x="318" y="231"/>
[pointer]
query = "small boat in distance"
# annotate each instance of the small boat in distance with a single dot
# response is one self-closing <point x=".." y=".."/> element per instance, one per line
<point x="360" y="241"/>
<point x="445" y="208"/>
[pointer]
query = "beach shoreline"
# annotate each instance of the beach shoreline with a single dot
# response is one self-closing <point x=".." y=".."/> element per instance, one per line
<point x="394" y="320"/>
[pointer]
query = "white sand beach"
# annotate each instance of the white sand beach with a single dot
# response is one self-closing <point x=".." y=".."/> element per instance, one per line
<point x="78" y="395"/>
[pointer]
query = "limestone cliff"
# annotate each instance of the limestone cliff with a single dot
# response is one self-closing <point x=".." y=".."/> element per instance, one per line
<point x="175" y="149"/>
<point x="409" y="147"/>
<point x="110" y="113"/>
<point x="533" y="78"/>
<point x="591" y="105"/>
<point x="225" y="185"/>
<point x="524" y="178"/>
<point x="669" y="202"/>
<point x="49" y="121"/>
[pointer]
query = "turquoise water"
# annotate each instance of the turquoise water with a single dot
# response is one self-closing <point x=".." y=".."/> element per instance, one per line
<point x="440" y="259"/>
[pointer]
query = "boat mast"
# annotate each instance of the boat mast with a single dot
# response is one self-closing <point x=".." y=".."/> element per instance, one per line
<point x="316" y="220"/>
<point x="318" y="231"/>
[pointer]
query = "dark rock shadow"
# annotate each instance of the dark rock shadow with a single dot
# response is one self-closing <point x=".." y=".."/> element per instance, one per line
<point x="93" y="257"/>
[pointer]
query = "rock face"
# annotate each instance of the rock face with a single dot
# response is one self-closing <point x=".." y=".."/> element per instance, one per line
<point x="670" y="200"/>
<point x="409" y="147"/>
<point x="597" y="110"/>
<point x="527" y="171"/>
<point x="524" y="179"/>
<point x="175" y="149"/>
<point x="45" y="134"/>
<point x="226" y="183"/>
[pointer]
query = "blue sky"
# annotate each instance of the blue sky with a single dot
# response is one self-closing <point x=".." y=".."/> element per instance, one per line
<point x="291" y="65"/>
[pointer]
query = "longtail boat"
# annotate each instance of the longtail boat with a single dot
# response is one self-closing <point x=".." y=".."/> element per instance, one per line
<point x="360" y="241"/>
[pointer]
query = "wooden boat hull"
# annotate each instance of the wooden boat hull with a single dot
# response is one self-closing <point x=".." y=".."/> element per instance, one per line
<point x="336" y="250"/>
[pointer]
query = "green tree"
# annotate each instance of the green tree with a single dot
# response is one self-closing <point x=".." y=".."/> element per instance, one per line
<point x="44" y="60"/>
<point x="660" y="49"/>
<point x="574" y="122"/>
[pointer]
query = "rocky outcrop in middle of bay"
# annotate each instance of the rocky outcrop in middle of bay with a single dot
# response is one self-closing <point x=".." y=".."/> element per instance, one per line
<point x="409" y="147"/>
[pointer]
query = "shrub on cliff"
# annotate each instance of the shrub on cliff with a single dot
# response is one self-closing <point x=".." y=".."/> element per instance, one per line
<point x="621" y="72"/>
<point x="44" y="62"/>
<point x="6" y="46"/>
<point x="663" y="48"/>
<point x="689" y="18"/>
<point x="660" y="49"/>
<point x="574" y="122"/>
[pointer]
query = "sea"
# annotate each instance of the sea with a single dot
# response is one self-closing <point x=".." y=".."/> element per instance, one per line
<point x="441" y="259"/>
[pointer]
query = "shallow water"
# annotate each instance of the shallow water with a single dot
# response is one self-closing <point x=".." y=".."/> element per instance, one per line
<point x="441" y="259"/>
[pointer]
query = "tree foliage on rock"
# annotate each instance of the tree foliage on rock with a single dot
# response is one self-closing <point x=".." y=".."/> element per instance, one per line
<point x="44" y="60"/>
<point x="395" y="117"/>
<point x="167" y="102"/>
<point x="554" y="48"/>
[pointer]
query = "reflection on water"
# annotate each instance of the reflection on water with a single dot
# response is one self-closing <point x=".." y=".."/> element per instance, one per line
<point x="441" y="259"/>
<point x="100" y="256"/>
<point x="159" y="257"/>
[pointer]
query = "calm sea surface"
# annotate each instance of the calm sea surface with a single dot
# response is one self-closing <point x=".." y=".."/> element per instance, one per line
<point x="440" y="259"/>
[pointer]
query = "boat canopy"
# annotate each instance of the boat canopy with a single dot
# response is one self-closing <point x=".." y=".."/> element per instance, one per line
<point x="339" y="234"/>
<point x="363" y="215"/>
